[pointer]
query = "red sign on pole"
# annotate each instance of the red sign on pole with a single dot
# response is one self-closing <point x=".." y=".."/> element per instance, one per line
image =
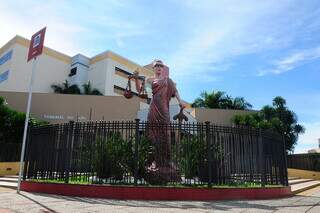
<point x="36" y="44"/>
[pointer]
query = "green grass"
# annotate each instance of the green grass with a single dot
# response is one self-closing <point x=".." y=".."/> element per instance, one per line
<point x="169" y="185"/>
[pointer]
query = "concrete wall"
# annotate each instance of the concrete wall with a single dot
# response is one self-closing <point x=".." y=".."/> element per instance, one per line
<point x="217" y="116"/>
<point x="58" y="108"/>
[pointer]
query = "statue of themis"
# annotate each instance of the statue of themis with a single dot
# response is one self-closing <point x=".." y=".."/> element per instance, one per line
<point x="162" y="169"/>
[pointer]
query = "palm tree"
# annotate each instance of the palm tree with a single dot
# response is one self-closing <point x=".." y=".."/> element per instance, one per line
<point x="65" y="88"/>
<point x="210" y="100"/>
<point x="87" y="90"/>
<point x="240" y="103"/>
<point x="220" y="100"/>
<point x="279" y="102"/>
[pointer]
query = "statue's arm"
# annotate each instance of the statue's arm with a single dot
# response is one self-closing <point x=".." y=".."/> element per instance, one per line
<point x="176" y="94"/>
<point x="137" y="82"/>
<point x="135" y="76"/>
<point x="181" y="104"/>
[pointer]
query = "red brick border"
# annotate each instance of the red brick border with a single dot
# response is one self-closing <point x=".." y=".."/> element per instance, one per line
<point x="155" y="193"/>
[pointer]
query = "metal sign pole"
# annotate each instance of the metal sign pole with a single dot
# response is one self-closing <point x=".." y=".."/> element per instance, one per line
<point x="25" y="132"/>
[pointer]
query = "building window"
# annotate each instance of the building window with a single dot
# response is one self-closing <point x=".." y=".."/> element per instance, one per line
<point x="4" y="76"/>
<point x="122" y="71"/>
<point x="6" y="57"/>
<point x="73" y="71"/>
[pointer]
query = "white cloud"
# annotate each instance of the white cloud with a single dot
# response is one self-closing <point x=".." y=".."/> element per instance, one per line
<point x="292" y="61"/>
<point x="309" y="140"/>
<point x="312" y="134"/>
<point x="220" y="32"/>
<point x="209" y="36"/>
<point x="69" y="24"/>
<point x="61" y="33"/>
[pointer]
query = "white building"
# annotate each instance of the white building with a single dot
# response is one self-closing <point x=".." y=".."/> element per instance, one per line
<point x="108" y="72"/>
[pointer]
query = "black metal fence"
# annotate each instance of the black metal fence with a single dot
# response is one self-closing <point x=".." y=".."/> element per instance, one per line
<point x="309" y="161"/>
<point x="126" y="153"/>
<point x="10" y="152"/>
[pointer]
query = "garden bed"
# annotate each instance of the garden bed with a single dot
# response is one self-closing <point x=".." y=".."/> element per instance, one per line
<point x="156" y="192"/>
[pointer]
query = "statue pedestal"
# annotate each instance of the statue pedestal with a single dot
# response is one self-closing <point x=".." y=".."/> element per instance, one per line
<point x="162" y="174"/>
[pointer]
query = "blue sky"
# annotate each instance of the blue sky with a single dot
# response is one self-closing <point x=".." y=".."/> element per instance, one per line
<point x="254" y="49"/>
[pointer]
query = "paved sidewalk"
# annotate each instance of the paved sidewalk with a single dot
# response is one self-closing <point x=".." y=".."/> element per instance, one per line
<point x="10" y="201"/>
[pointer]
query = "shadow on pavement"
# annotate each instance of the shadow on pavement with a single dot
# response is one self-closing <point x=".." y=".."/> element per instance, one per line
<point x="269" y="205"/>
<point x="40" y="204"/>
<point x="217" y="205"/>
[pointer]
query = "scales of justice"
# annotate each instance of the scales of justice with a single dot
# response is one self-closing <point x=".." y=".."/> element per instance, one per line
<point x="161" y="168"/>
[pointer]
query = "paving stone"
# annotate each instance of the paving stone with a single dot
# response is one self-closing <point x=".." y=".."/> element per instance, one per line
<point x="33" y="202"/>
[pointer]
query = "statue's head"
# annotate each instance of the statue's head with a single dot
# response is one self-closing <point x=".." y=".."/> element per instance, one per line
<point x="160" y="69"/>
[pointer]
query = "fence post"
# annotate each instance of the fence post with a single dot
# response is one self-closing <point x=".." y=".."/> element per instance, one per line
<point x="136" y="151"/>
<point x="262" y="160"/>
<point x="26" y="156"/>
<point x="208" y="138"/>
<point x="69" y="150"/>
<point x="285" y="166"/>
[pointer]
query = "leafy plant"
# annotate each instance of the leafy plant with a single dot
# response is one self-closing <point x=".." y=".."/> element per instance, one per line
<point x="220" y="100"/>
<point x="194" y="161"/>
<point x="11" y="131"/>
<point x="65" y="88"/>
<point x="88" y="90"/>
<point x="190" y="157"/>
<point x="145" y="153"/>
<point x="110" y="156"/>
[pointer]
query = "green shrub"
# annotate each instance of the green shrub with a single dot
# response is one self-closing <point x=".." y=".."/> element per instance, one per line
<point x="12" y="126"/>
<point x="110" y="156"/>
<point x="190" y="156"/>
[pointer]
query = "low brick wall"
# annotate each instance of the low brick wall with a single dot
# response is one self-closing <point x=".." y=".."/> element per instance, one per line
<point x="9" y="168"/>
<point x="303" y="174"/>
<point x="155" y="193"/>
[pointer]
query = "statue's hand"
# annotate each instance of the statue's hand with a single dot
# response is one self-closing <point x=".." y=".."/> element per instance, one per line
<point x="136" y="73"/>
<point x="182" y="105"/>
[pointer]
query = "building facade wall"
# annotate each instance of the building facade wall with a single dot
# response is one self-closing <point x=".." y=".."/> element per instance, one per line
<point x="61" y="108"/>
<point x="5" y="66"/>
<point x="97" y="75"/>
<point x="79" y="70"/>
<point x="217" y="116"/>
<point x="49" y="70"/>
<point x="54" y="68"/>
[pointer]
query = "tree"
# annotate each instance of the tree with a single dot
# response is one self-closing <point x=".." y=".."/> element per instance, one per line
<point x="12" y="123"/>
<point x="11" y="131"/>
<point x="240" y="103"/>
<point x="65" y="88"/>
<point x="87" y="90"/>
<point x="220" y="100"/>
<point x="277" y="117"/>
